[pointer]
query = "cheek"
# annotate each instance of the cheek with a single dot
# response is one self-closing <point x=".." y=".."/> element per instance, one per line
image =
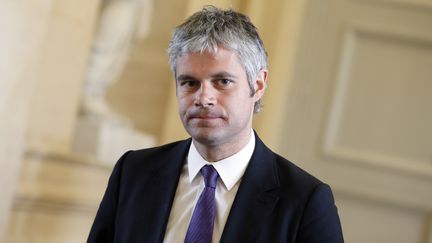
<point x="180" y="104"/>
<point x="183" y="105"/>
<point x="237" y="106"/>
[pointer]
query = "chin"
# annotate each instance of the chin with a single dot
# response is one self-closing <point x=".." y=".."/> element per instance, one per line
<point x="205" y="137"/>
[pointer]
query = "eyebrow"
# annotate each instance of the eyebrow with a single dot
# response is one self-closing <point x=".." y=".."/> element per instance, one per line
<point x="185" y="77"/>
<point x="222" y="74"/>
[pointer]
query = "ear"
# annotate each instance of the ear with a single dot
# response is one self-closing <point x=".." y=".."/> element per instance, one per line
<point x="260" y="84"/>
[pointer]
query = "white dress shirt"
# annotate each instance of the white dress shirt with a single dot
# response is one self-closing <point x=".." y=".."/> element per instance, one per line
<point x="191" y="184"/>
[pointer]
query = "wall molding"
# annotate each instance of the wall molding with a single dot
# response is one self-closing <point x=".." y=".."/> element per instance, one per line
<point x="329" y="143"/>
<point x="421" y="5"/>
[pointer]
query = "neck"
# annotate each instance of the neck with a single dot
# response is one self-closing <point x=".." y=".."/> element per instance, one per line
<point x="216" y="152"/>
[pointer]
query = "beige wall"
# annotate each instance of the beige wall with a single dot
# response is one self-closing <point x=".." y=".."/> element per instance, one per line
<point x="60" y="72"/>
<point x="19" y="22"/>
<point x="44" y="49"/>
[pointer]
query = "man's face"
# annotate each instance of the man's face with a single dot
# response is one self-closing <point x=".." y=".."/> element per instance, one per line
<point x="214" y="99"/>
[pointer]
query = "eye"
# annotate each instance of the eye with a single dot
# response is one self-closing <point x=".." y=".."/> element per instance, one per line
<point x="224" y="82"/>
<point x="189" y="84"/>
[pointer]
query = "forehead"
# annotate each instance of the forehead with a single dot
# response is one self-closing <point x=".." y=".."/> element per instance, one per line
<point x="220" y="59"/>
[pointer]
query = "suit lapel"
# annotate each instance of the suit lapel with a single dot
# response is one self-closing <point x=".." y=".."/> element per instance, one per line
<point x="162" y="188"/>
<point x="256" y="197"/>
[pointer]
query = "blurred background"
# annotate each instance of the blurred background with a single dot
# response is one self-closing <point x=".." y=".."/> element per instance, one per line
<point x="349" y="100"/>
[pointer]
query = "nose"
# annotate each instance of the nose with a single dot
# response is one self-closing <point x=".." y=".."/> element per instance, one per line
<point x="205" y="95"/>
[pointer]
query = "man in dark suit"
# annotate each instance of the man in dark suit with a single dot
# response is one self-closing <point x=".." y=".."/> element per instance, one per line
<point x="223" y="184"/>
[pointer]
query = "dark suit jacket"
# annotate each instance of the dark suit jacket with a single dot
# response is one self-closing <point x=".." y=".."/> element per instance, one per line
<point x="276" y="200"/>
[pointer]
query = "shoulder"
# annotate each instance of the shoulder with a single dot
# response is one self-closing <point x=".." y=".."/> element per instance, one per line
<point x="291" y="174"/>
<point x="318" y="218"/>
<point x="294" y="182"/>
<point x="162" y="151"/>
<point x="303" y="189"/>
<point x="147" y="159"/>
<point x="287" y="173"/>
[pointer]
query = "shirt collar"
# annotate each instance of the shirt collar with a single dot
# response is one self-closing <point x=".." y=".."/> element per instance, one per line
<point x="230" y="169"/>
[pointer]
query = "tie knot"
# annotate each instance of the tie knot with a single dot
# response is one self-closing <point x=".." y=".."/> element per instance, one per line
<point x="210" y="175"/>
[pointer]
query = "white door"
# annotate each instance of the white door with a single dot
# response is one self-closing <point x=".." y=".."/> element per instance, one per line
<point x="359" y="114"/>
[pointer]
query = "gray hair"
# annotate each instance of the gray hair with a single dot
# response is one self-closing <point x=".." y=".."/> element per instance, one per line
<point x="212" y="27"/>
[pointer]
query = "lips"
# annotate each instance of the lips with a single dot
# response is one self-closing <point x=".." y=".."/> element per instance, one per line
<point x="204" y="118"/>
<point x="204" y="115"/>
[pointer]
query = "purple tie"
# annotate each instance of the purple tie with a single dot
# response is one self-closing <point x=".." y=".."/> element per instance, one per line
<point x="201" y="225"/>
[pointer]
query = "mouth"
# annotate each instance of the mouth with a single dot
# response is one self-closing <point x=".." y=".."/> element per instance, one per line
<point x="203" y="120"/>
<point x="204" y="116"/>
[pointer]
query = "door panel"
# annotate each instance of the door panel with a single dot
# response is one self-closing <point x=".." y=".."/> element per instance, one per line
<point x="359" y="114"/>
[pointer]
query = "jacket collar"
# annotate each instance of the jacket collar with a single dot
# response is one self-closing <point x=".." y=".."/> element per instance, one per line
<point x="256" y="197"/>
